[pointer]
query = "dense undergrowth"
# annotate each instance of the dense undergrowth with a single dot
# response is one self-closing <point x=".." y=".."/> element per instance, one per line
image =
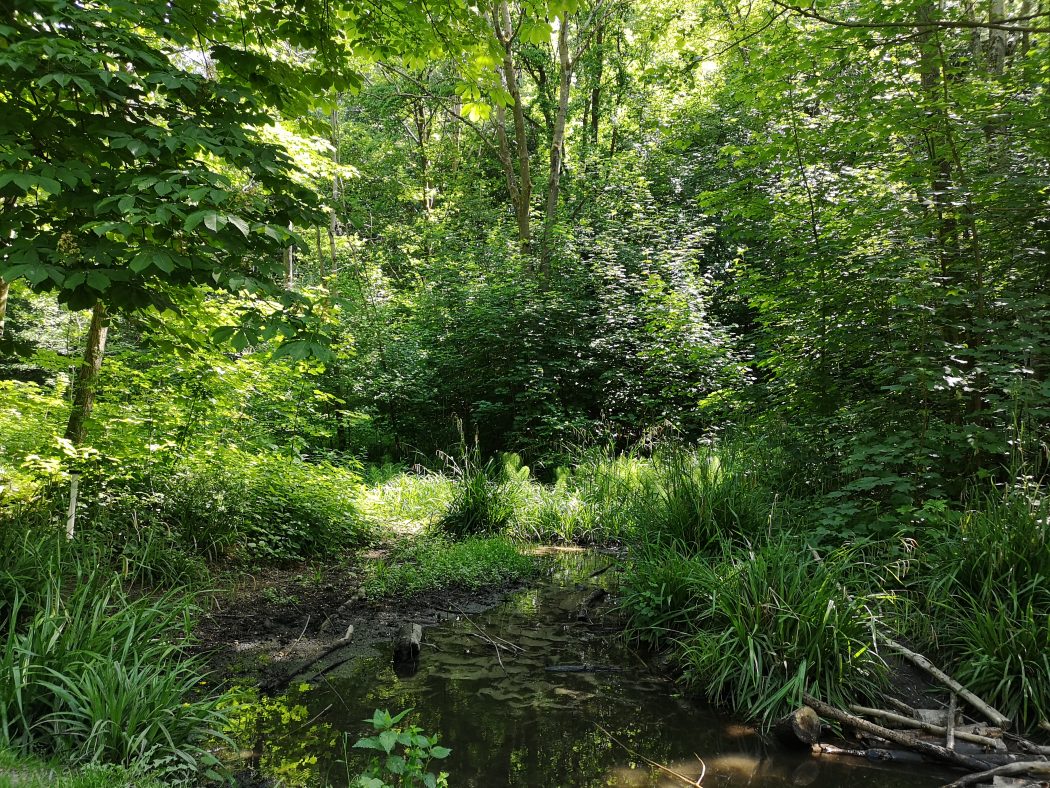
<point x="93" y="674"/>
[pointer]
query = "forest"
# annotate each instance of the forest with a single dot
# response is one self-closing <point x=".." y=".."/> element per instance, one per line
<point x="326" y="316"/>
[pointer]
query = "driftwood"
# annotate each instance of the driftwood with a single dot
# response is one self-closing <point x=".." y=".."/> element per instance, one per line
<point x="897" y="737"/>
<point x="973" y="738"/>
<point x="1020" y="768"/>
<point x="998" y="718"/>
<point x="799" y="728"/>
<point x="949" y="734"/>
<point x="406" y="646"/>
<point x="871" y="753"/>
<point x="1027" y="746"/>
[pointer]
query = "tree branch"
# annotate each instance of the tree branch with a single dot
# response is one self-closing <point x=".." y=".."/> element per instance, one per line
<point x="1004" y="24"/>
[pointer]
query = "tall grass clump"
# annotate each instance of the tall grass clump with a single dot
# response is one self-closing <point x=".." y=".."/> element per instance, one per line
<point x="755" y="628"/>
<point x="92" y="675"/>
<point x="588" y="503"/>
<point x="987" y="587"/>
<point x="486" y="496"/>
<point x="693" y="499"/>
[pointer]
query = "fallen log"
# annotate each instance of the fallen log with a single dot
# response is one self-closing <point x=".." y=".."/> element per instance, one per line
<point x="1020" y="768"/>
<point x="871" y="753"/>
<point x="406" y="646"/>
<point x="928" y="727"/>
<point x="799" y="728"/>
<point x="897" y="737"/>
<point x="998" y="718"/>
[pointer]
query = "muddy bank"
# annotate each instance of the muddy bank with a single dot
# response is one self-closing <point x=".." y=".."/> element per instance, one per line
<point x="272" y="621"/>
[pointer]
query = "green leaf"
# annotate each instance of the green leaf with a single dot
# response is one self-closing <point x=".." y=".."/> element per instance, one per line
<point x="368" y="743"/>
<point x="98" y="281"/>
<point x="387" y="739"/>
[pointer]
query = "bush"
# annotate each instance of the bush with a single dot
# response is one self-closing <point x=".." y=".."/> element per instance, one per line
<point x="694" y="499"/>
<point x="92" y="675"/>
<point x="261" y="507"/>
<point x="485" y="498"/>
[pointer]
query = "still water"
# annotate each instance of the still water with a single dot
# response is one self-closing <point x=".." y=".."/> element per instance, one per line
<point x="519" y="724"/>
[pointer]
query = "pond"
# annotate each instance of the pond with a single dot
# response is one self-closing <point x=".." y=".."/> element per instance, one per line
<point x="510" y="721"/>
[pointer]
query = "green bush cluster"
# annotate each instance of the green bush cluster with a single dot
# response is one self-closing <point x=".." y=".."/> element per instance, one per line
<point x="158" y="522"/>
<point x="93" y="675"/>
<point x="263" y="506"/>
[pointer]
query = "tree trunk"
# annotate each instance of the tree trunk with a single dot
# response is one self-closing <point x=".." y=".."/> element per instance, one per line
<point x="939" y="154"/>
<point x="87" y="376"/>
<point x="289" y="267"/>
<point x="505" y="32"/>
<point x="596" y="88"/>
<point x="996" y="38"/>
<point x="5" y="287"/>
<point x="332" y="221"/>
<point x="557" y="143"/>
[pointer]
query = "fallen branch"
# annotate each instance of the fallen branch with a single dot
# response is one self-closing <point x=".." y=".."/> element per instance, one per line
<point x="949" y="735"/>
<point x="929" y="727"/>
<point x="998" y="718"/>
<point x="491" y="638"/>
<point x="659" y="766"/>
<point x="897" y="737"/>
<point x="284" y="681"/>
<point x="870" y="754"/>
<point x="903" y="708"/>
<point x="1021" y="768"/>
<point x="1027" y="746"/>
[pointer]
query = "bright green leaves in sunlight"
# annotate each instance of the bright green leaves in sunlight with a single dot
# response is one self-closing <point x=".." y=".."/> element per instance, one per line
<point x="129" y="170"/>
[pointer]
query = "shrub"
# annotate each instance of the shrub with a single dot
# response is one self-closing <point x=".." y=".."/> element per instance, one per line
<point x="485" y="498"/>
<point x="985" y="585"/>
<point x="262" y="507"/>
<point x="1001" y="651"/>
<point x="696" y="498"/>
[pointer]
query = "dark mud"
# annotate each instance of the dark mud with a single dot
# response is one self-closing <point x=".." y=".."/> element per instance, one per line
<point x="271" y="622"/>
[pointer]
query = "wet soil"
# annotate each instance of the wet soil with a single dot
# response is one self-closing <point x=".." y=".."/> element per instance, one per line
<point x="267" y="624"/>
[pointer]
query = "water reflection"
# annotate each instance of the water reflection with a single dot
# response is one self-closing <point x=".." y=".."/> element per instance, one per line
<point x="517" y="724"/>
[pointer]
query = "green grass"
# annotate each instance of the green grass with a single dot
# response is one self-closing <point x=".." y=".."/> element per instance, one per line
<point x="92" y="674"/>
<point x="406" y="499"/>
<point x="754" y="628"/>
<point x="986" y="591"/>
<point x="18" y="771"/>
<point x="435" y="562"/>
